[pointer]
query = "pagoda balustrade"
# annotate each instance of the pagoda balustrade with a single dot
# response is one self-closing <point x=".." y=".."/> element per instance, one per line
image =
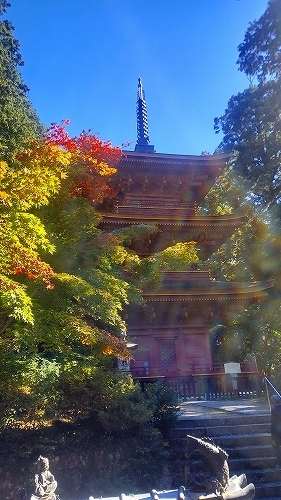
<point x="155" y="205"/>
<point x="206" y="381"/>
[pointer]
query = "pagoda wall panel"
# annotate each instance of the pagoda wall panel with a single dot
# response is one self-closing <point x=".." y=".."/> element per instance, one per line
<point x="171" y="351"/>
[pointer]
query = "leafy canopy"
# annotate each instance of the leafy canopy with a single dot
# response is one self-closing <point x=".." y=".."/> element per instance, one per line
<point x="19" y="122"/>
<point x="50" y="165"/>
<point x="260" y="51"/>
<point x="251" y="125"/>
<point x="252" y="129"/>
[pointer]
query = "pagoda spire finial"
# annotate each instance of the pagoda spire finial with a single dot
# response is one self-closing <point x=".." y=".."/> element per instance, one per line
<point x="142" y="123"/>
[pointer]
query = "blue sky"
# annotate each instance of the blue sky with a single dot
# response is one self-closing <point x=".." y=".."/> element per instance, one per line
<point x="83" y="59"/>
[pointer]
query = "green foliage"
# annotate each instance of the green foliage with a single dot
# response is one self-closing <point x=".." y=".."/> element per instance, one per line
<point x="255" y="331"/>
<point x="18" y="121"/>
<point x="259" y="54"/>
<point x="163" y="401"/>
<point x="3" y="6"/>
<point x="227" y="195"/>
<point x="14" y="303"/>
<point x="248" y="255"/>
<point x="135" y="232"/>
<point x="252" y="128"/>
<point x="252" y="120"/>
<point x="22" y="235"/>
<point x="125" y="406"/>
<point x="28" y="392"/>
<point x="175" y="258"/>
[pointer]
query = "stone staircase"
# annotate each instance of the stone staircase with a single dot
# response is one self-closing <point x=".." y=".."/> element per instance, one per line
<point x="246" y="439"/>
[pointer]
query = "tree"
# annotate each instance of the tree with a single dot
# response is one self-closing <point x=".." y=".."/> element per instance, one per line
<point x="260" y="51"/>
<point x="18" y="125"/>
<point x="75" y="307"/>
<point x="19" y="122"/>
<point x="74" y="328"/>
<point x="248" y="255"/>
<point x="252" y="120"/>
<point x="252" y="129"/>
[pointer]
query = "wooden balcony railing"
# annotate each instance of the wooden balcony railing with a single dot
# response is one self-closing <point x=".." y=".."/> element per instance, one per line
<point x="207" y="382"/>
<point x="157" y="210"/>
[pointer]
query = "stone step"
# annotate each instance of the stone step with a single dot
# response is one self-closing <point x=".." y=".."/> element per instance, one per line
<point x="222" y="420"/>
<point x="250" y="452"/>
<point x="269" y="490"/>
<point x="246" y="439"/>
<point x="230" y="442"/>
<point x="257" y="476"/>
<point x="256" y="464"/>
<point x="220" y="431"/>
<point x="256" y="471"/>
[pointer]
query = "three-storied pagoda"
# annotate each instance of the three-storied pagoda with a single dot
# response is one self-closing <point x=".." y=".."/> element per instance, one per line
<point x="172" y="330"/>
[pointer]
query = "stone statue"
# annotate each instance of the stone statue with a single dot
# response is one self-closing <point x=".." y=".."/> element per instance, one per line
<point x="45" y="483"/>
<point x="211" y="479"/>
<point x="214" y="476"/>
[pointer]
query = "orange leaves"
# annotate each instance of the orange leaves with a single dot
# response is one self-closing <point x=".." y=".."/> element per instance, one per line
<point x="86" y="161"/>
<point x="18" y="270"/>
<point x="30" y="265"/>
<point x="90" y="161"/>
<point x="86" y="145"/>
<point x="114" y="346"/>
<point x="55" y="165"/>
<point x="107" y="351"/>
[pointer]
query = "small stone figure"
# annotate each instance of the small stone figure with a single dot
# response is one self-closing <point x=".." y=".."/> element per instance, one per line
<point x="45" y="483"/>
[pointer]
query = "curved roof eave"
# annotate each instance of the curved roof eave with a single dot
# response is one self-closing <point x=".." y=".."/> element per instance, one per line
<point x="175" y="158"/>
<point x="202" y="220"/>
<point x="240" y="291"/>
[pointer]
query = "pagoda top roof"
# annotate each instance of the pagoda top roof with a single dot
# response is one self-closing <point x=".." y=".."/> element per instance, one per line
<point x="175" y="159"/>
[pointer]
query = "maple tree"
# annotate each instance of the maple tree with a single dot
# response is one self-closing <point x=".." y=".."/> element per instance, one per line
<point x="75" y="322"/>
<point x="29" y="181"/>
<point x="65" y="281"/>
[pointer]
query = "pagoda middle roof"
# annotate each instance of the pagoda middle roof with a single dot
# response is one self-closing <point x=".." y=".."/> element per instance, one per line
<point x="178" y="220"/>
<point x="218" y="290"/>
<point x="210" y="232"/>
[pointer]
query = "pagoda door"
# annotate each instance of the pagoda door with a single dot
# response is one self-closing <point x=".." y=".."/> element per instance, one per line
<point x="167" y="356"/>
